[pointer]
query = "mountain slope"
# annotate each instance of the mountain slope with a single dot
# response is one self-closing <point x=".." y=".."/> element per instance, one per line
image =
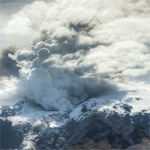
<point x="96" y="123"/>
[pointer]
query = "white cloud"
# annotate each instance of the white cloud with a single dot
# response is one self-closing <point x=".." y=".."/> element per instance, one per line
<point x="80" y="48"/>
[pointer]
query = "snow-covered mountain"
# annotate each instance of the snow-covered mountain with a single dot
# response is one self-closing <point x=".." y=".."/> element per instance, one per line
<point x="112" y="121"/>
<point x="78" y="76"/>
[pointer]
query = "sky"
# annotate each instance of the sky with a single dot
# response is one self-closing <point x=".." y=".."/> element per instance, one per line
<point x="7" y="9"/>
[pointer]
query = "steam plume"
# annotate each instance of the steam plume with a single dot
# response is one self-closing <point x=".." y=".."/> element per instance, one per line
<point x="81" y="49"/>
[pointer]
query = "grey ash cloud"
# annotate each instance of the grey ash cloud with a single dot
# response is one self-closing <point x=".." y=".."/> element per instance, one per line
<point x="80" y="49"/>
<point x="8" y="66"/>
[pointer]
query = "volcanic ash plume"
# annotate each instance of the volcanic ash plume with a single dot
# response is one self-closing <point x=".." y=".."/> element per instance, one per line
<point x="82" y="49"/>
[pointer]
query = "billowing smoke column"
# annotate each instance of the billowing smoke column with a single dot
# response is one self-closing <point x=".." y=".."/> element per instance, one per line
<point x="82" y="49"/>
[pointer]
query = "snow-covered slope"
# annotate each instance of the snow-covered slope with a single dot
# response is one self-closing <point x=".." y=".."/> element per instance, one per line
<point x="30" y="117"/>
<point x="123" y="103"/>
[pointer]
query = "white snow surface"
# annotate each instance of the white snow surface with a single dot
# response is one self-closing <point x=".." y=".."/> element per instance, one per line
<point x="137" y="101"/>
<point x="36" y="115"/>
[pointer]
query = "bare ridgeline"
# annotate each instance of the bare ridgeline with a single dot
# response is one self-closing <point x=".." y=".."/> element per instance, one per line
<point x="77" y="76"/>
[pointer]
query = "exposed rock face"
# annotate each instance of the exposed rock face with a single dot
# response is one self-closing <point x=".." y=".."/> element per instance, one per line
<point x="99" y="130"/>
<point x="10" y="138"/>
<point x="145" y="145"/>
<point x="95" y="131"/>
<point x="112" y="132"/>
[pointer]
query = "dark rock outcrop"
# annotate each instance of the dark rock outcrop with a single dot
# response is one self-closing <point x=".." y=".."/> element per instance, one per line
<point x="114" y="131"/>
<point x="10" y="138"/>
<point x="98" y="131"/>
